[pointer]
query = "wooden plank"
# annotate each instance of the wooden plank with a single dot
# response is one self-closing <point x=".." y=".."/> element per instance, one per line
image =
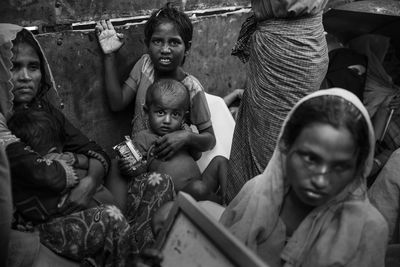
<point x="89" y="10"/>
<point x="76" y="61"/>
<point x="192" y="238"/>
<point x="44" y="12"/>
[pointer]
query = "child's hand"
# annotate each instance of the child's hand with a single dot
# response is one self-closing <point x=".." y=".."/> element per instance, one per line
<point x="239" y="93"/>
<point x="236" y="94"/>
<point x="170" y="143"/>
<point x="110" y="41"/>
<point x="126" y="167"/>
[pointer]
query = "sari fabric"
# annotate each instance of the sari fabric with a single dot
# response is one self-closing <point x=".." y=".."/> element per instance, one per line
<point x="345" y="231"/>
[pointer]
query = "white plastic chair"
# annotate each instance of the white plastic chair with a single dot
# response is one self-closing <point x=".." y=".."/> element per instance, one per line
<point x="224" y="125"/>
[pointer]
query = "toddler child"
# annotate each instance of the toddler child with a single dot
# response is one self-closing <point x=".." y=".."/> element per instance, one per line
<point x="43" y="133"/>
<point x="167" y="104"/>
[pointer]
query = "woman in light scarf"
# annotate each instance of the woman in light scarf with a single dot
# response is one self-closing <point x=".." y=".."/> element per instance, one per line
<point x="309" y="207"/>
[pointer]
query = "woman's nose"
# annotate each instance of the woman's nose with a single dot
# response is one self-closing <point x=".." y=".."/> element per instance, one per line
<point x="320" y="177"/>
<point x="24" y="74"/>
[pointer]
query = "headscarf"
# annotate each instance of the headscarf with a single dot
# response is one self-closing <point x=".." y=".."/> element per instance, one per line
<point x="253" y="215"/>
<point x="379" y="86"/>
<point x="8" y="33"/>
<point x="339" y="74"/>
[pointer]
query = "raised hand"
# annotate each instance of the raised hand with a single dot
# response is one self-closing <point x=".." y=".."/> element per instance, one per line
<point x="110" y="41"/>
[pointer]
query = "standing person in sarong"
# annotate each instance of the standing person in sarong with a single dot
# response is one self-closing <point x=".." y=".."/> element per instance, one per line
<point x="284" y="44"/>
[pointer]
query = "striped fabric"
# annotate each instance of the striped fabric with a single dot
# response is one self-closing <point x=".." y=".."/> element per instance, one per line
<point x="288" y="60"/>
<point x="242" y="46"/>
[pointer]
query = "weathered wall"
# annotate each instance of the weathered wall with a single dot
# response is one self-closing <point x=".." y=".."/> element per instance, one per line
<point x="50" y="12"/>
<point x="76" y="60"/>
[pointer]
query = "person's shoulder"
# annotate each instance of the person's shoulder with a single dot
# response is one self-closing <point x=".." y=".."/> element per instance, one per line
<point x="146" y="64"/>
<point x="365" y="213"/>
<point x="374" y="218"/>
<point x="192" y="83"/>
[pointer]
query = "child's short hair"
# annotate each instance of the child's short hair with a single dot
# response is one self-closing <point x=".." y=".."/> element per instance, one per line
<point x="38" y="129"/>
<point x="165" y="87"/>
<point x="170" y="14"/>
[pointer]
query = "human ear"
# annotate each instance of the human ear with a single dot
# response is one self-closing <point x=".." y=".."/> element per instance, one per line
<point x="145" y="109"/>
<point x="283" y="148"/>
<point x="187" y="49"/>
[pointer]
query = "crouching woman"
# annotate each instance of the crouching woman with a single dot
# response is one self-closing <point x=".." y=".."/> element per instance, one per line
<point x="310" y="205"/>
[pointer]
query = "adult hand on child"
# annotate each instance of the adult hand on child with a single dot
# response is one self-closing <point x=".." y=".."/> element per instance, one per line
<point x="79" y="196"/>
<point x="110" y="41"/>
<point x="170" y="143"/>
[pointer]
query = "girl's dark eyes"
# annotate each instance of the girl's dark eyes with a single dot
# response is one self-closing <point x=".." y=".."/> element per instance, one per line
<point x="171" y="42"/>
<point x="308" y="157"/>
<point x="175" y="42"/>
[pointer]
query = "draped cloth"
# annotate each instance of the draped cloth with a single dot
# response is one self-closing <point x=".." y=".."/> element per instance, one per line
<point x="345" y="231"/>
<point x="288" y="60"/>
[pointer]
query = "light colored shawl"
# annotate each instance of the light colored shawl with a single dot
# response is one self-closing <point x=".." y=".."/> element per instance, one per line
<point x="332" y="233"/>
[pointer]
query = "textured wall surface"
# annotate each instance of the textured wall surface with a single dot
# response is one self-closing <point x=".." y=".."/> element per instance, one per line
<point x="76" y="58"/>
<point x="50" y="12"/>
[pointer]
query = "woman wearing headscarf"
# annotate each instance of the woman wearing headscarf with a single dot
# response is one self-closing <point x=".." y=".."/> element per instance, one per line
<point x="310" y="205"/>
<point x="99" y="234"/>
<point x="284" y="44"/>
